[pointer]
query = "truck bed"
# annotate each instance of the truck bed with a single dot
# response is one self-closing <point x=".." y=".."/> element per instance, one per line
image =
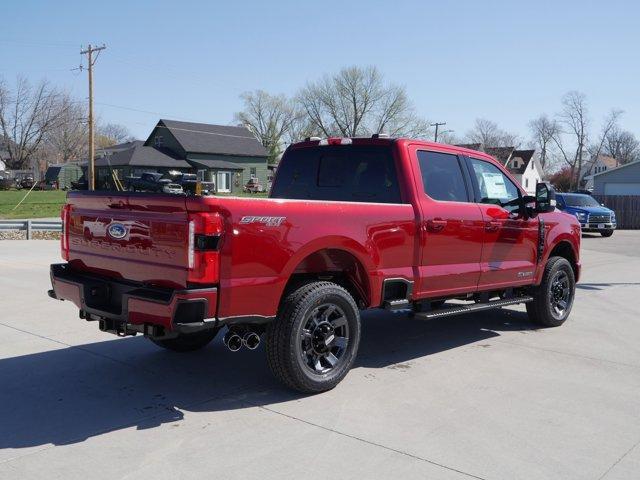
<point x="264" y="241"/>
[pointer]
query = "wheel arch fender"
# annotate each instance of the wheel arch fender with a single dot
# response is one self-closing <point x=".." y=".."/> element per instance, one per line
<point x="335" y="253"/>
<point x="562" y="245"/>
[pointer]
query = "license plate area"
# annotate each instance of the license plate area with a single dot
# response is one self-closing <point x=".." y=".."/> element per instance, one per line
<point x="600" y="226"/>
<point x="103" y="296"/>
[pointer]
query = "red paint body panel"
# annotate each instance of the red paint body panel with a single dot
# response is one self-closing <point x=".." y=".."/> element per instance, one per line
<point x="445" y="248"/>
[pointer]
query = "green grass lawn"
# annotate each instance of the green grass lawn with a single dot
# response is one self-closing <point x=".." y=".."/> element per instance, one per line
<point x="38" y="204"/>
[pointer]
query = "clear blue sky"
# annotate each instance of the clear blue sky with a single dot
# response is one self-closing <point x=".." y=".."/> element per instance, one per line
<point x="506" y="61"/>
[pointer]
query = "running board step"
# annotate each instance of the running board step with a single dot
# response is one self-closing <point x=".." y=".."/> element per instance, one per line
<point x="397" y="304"/>
<point x="477" y="307"/>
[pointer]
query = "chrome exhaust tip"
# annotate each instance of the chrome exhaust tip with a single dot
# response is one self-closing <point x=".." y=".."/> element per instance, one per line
<point x="251" y="340"/>
<point x="233" y="341"/>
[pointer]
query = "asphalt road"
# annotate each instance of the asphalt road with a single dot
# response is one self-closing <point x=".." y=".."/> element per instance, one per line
<point x="486" y="396"/>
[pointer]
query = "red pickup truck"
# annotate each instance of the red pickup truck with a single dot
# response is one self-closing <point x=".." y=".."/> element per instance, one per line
<point x="351" y="224"/>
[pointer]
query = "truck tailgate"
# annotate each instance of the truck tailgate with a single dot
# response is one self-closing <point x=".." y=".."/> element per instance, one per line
<point x="137" y="237"/>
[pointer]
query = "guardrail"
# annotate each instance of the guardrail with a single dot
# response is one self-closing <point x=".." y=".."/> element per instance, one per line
<point x="30" y="225"/>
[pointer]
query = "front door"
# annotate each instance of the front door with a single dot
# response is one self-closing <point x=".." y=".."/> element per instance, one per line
<point x="451" y="226"/>
<point x="510" y="239"/>
<point x="224" y="182"/>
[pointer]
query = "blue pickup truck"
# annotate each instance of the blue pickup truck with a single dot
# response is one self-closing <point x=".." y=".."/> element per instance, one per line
<point x="592" y="216"/>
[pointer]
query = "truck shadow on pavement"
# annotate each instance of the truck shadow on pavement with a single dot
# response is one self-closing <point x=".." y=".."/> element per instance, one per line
<point x="67" y="395"/>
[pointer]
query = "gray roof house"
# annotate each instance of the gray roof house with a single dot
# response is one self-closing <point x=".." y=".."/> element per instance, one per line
<point x="624" y="180"/>
<point x="225" y="156"/>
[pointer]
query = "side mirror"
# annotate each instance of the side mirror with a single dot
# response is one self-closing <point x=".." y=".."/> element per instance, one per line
<point x="545" y="197"/>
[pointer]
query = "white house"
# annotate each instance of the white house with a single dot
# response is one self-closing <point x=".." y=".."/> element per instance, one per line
<point x="523" y="165"/>
<point x="526" y="169"/>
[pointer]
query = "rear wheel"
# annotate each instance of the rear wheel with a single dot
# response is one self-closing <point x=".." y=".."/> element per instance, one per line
<point x="313" y="342"/>
<point x="606" y="233"/>
<point x="187" y="342"/>
<point x="553" y="298"/>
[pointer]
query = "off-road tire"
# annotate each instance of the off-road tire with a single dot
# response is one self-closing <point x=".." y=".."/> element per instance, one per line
<point x="606" y="233"/>
<point x="541" y="310"/>
<point x="187" y="342"/>
<point x="283" y="338"/>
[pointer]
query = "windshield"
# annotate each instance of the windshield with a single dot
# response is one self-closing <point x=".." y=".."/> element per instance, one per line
<point x="578" y="200"/>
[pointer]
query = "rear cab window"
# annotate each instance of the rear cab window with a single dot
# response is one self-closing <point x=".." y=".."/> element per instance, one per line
<point x="348" y="173"/>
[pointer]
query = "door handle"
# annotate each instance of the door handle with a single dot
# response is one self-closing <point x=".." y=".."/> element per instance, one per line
<point x="436" y="225"/>
<point x="492" y="226"/>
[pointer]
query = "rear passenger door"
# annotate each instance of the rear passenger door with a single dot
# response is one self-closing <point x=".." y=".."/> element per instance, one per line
<point x="450" y="227"/>
<point x="510" y="239"/>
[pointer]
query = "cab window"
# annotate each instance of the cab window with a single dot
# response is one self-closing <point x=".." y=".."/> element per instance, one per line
<point x="442" y="177"/>
<point x="346" y="173"/>
<point x="494" y="186"/>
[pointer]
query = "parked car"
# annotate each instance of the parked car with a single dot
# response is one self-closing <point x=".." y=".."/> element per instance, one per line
<point x="188" y="181"/>
<point x="253" y="186"/>
<point x="351" y="224"/>
<point x="592" y="216"/>
<point x="173" y="188"/>
<point x="7" y="183"/>
<point x="80" y="184"/>
<point x="25" y="182"/>
<point x="147" y="182"/>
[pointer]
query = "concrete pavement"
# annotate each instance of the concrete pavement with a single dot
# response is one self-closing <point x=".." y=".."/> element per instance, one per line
<point x="485" y="396"/>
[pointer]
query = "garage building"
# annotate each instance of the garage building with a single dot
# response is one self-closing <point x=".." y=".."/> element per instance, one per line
<point x="624" y="180"/>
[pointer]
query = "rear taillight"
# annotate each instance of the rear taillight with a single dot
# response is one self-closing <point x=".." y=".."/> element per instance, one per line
<point x="64" y="236"/>
<point x="205" y="240"/>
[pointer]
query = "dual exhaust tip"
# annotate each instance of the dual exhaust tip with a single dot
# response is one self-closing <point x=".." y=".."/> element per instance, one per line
<point x="235" y="342"/>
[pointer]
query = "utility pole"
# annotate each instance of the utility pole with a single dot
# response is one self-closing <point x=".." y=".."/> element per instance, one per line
<point x="435" y="139"/>
<point x="92" y="148"/>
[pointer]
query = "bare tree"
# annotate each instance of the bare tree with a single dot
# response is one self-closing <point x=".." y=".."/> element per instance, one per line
<point x="449" y="137"/>
<point x="489" y="134"/>
<point x="67" y="141"/>
<point x="595" y="149"/>
<point x="572" y="139"/>
<point x="543" y="129"/>
<point x="357" y="101"/>
<point x="574" y="123"/>
<point x="271" y="118"/>
<point x="622" y="145"/>
<point x="109" y="134"/>
<point x="27" y="115"/>
<point x="301" y="128"/>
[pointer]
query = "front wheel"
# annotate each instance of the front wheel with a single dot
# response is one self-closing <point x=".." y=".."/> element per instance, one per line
<point x="606" y="233"/>
<point x="187" y="342"/>
<point x="313" y="342"/>
<point x="553" y="298"/>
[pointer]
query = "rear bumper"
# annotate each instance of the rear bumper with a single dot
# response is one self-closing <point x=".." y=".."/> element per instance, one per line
<point x="123" y="307"/>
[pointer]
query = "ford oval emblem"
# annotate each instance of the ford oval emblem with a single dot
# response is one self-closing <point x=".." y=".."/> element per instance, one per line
<point x="117" y="231"/>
